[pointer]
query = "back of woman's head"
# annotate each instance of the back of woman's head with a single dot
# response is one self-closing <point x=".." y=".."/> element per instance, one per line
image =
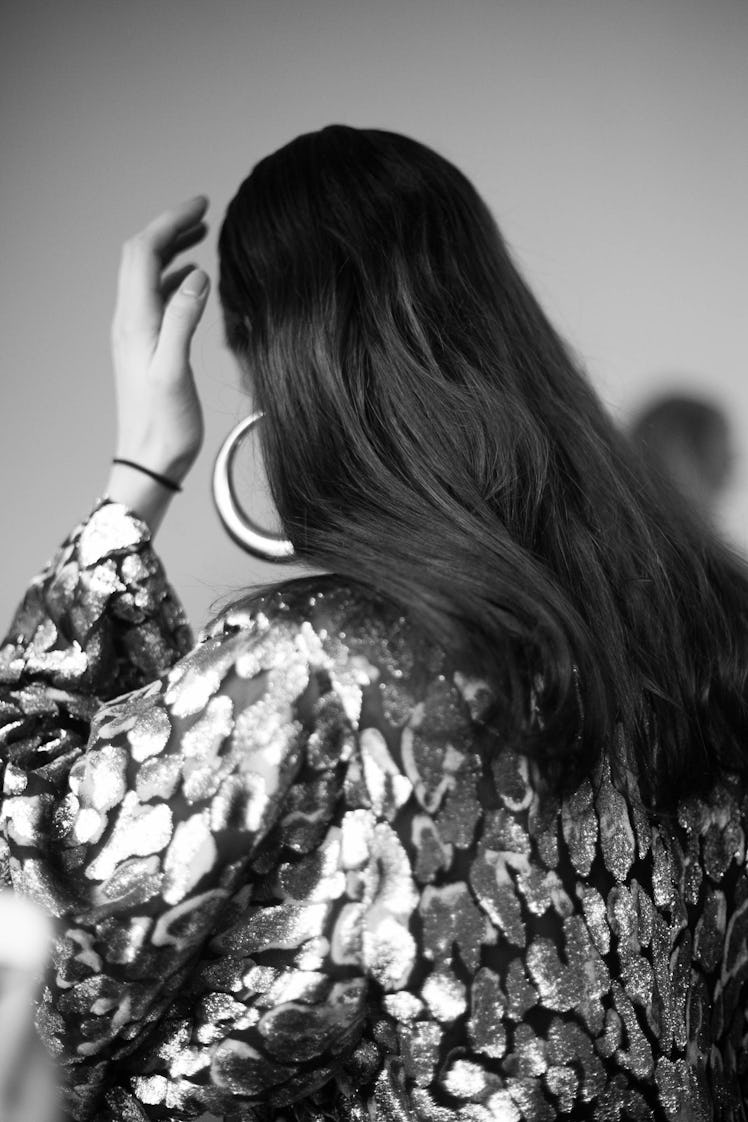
<point x="426" y="434"/>
<point x="361" y="276"/>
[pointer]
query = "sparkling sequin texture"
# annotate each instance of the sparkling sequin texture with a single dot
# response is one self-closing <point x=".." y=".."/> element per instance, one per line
<point x="295" y="886"/>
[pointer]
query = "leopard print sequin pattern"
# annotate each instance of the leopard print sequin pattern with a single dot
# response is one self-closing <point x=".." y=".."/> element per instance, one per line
<point x="291" y="882"/>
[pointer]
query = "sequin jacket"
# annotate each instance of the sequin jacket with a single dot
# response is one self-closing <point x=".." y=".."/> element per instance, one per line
<point x="288" y="885"/>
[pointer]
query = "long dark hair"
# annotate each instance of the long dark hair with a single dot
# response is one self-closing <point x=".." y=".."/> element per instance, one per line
<point x="428" y="435"/>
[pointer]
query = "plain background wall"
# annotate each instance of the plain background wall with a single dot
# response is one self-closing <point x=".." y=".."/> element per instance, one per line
<point x="609" y="137"/>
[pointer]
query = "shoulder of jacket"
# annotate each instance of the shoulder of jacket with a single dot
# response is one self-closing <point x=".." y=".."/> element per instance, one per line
<point x="330" y="623"/>
<point x="324" y="603"/>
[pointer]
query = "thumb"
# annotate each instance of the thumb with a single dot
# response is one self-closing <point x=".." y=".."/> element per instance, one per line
<point x="182" y="315"/>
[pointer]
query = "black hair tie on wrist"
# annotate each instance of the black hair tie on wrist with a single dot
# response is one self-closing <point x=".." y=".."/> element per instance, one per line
<point x="168" y="483"/>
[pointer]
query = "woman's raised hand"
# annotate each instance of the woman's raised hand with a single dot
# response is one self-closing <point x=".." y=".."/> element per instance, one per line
<point x="160" y="422"/>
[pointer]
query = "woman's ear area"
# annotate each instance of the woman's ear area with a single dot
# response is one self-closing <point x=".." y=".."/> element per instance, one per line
<point x="246" y="379"/>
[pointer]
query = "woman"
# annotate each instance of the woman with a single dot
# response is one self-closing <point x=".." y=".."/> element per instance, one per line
<point x="453" y="831"/>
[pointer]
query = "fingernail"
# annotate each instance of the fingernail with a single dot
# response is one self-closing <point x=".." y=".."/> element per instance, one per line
<point x="196" y="283"/>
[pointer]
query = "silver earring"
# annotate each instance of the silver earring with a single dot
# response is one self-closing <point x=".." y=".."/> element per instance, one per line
<point x="268" y="547"/>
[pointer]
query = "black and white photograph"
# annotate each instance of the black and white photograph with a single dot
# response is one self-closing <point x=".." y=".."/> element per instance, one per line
<point x="374" y="653"/>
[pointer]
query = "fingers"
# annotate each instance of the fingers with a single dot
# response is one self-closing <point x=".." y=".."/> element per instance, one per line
<point x="159" y="233"/>
<point x="139" y="299"/>
<point x="182" y="241"/>
<point x="180" y="319"/>
<point x="171" y="281"/>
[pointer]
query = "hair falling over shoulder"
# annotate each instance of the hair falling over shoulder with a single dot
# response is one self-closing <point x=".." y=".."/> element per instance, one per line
<point x="428" y="435"/>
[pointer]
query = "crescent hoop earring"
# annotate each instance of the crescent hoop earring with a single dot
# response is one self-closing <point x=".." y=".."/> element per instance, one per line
<point x="268" y="547"/>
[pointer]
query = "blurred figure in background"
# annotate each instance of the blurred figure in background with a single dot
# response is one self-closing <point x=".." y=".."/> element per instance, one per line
<point x="687" y="439"/>
<point x="27" y="1092"/>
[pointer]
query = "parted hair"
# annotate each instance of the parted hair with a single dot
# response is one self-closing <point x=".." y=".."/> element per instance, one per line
<point x="429" y="436"/>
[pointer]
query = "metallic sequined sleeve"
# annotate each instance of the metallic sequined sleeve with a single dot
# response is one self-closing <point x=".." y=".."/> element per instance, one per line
<point x="100" y="620"/>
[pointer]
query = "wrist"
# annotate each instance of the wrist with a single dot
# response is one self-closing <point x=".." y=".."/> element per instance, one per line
<point x="163" y="480"/>
<point x="144" y="496"/>
<point x="174" y="466"/>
